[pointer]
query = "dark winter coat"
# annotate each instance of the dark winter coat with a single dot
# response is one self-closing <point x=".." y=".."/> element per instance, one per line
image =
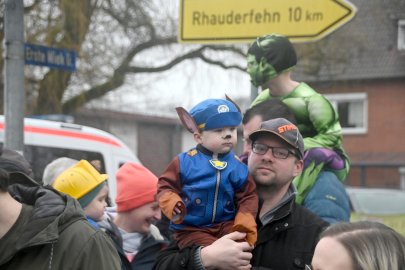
<point x="285" y="243"/>
<point x="52" y="232"/>
<point x="288" y="241"/>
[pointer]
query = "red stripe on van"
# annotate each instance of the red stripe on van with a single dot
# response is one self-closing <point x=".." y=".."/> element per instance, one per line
<point x="71" y="134"/>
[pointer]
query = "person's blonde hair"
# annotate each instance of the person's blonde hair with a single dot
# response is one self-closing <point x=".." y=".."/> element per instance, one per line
<point x="371" y="245"/>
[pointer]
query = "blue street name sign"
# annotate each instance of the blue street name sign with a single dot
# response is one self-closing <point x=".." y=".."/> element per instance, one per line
<point x="50" y="57"/>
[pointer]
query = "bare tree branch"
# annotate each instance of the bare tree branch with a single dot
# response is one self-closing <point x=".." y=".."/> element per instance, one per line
<point x="117" y="79"/>
<point x="221" y="64"/>
<point x="107" y="36"/>
<point x="228" y="48"/>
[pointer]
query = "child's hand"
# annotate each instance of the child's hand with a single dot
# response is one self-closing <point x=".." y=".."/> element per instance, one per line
<point x="177" y="209"/>
<point x="178" y="212"/>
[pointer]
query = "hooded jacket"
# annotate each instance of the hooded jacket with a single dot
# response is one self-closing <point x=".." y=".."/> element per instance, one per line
<point x="52" y="232"/>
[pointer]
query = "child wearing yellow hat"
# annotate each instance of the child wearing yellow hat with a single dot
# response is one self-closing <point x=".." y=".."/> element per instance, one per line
<point x="84" y="183"/>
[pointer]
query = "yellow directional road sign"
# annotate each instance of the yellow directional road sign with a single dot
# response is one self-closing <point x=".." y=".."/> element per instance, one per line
<point x="224" y="21"/>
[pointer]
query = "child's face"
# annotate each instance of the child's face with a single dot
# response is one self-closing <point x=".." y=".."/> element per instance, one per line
<point x="219" y="141"/>
<point x="97" y="206"/>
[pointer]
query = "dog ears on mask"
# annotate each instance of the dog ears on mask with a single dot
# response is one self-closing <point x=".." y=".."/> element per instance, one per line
<point x="187" y="120"/>
<point x="234" y="103"/>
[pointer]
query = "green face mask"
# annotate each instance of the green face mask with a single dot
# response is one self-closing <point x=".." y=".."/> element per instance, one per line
<point x="260" y="72"/>
<point x="268" y="57"/>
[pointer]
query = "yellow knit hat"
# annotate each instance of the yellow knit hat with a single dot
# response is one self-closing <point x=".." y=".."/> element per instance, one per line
<point x="79" y="180"/>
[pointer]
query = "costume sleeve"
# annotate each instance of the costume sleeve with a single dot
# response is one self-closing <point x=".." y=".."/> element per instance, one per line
<point x="169" y="188"/>
<point x="98" y="253"/>
<point x="325" y="120"/>
<point x="263" y="96"/>
<point x="247" y="204"/>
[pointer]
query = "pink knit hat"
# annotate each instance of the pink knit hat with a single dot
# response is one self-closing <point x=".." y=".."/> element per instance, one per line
<point x="136" y="186"/>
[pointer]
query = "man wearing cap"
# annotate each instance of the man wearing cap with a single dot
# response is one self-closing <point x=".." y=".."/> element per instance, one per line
<point x="287" y="232"/>
<point x="327" y="198"/>
<point x="271" y="59"/>
<point x="207" y="191"/>
<point x="41" y="228"/>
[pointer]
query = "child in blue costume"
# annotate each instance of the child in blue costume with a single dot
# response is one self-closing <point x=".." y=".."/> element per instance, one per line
<point x="207" y="191"/>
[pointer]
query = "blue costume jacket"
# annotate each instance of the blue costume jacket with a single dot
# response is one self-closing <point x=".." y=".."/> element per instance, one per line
<point x="213" y="189"/>
<point x="209" y="186"/>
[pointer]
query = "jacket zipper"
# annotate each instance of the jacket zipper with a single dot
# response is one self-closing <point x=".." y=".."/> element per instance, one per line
<point x="218" y="180"/>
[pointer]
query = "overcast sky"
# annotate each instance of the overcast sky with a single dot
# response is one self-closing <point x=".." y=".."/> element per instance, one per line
<point x="184" y="85"/>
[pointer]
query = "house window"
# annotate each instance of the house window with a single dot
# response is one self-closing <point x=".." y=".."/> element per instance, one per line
<point x="352" y="109"/>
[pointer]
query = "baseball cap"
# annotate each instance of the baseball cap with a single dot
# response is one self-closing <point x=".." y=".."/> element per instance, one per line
<point x="268" y="57"/>
<point x="216" y="113"/>
<point x="285" y="130"/>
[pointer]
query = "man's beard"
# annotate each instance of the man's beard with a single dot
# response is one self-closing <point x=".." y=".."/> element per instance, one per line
<point x="270" y="185"/>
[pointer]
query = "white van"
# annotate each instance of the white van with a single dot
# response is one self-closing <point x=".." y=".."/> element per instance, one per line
<point x="45" y="141"/>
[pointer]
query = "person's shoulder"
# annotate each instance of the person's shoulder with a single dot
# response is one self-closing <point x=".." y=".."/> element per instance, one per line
<point x="79" y="228"/>
<point x="189" y="153"/>
<point x="263" y="96"/>
<point x="80" y="234"/>
<point x="304" y="90"/>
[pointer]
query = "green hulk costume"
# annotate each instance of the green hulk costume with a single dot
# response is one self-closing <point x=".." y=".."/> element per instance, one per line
<point x="317" y="120"/>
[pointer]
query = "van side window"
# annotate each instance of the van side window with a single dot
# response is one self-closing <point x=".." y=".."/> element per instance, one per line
<point x="40" y="156"/>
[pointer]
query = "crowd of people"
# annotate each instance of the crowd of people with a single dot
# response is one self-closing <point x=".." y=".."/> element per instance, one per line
<point x="280" y="205"/>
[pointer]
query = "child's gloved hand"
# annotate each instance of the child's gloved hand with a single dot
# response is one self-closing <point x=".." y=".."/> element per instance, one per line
<point x="245" y="222"/>
<point x="178" y="213"/>
<point x="172" y="206"/>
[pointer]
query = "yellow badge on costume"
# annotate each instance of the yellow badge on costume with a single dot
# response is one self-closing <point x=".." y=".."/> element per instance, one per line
<point x="217" y="164"/>
<point x="192" y="152"/>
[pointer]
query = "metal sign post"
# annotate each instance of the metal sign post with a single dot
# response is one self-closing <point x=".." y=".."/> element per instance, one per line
<point x="14" y="93"/>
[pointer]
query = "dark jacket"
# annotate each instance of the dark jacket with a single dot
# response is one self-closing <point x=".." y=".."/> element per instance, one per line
<point x="288" y="241"/>
<point x="285" y="243"/>
<point x="150" y="246"/>
<point x="52" y="232"/>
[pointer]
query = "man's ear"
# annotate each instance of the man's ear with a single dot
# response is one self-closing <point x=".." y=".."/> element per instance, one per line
<point x="298" y="167"/>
